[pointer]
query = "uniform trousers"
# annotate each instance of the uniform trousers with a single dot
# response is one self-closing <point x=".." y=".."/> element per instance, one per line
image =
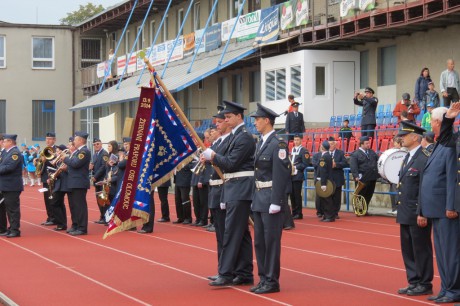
<point x="337" y="199"/>
<point x="79" y="209"/>
<point x="368" y="191"/>
<point x="219" y="225"/>
<point x="417" y="253"/>
<point x="58" y="208"/>
<point x="268" y="229"/>
<point x="48" y="207"/>
<point x="319" y="209"/>
<point x="163" y="195"/>
<point x="148" y="227"/>
<point x="200" y="203"/>
<point x="447" y="245"/>
<point x="368" y="130"/>
<point x="296" y="198"/>
<point x="236" y="257"/>
<point x="3" y="221"/>
<point x="327" y="206"/>
<point x="182" y="199"/>
<point x="13" y="210"/>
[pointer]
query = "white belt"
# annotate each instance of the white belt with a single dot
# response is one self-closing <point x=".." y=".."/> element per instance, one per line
<point x="228" y="176"/>
<point x="215" y="182"/>
<point x="260" y="185"/>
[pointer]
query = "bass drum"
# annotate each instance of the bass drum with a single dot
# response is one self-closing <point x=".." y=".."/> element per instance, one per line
<point x="390" y="163"/>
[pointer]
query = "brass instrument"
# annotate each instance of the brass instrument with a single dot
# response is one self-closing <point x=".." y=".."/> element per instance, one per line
<point x="49" y="154"/>
<point x="358" y="201"/>
<point x="199" y="167"/>
<point x="54" y="176"/>
<point x="102" y="197"/>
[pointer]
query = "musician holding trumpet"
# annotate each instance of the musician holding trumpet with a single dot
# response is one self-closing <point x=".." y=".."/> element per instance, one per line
<point x="44" y="160"/>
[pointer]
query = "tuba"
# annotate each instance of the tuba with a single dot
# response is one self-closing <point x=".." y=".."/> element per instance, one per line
<point x="49" y="154"/>
<point x="358" y="201"/>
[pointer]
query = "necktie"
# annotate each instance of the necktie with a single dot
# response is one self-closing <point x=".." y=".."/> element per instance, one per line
<point x="367" y="153"/>
<point x="332" y="154"/>
<point x="218" y="142"/>
<point x="295" y="113"/>
<point x="406" y="159"/>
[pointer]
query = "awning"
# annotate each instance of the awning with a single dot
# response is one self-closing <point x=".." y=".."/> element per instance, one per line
<point x="176" y="77"/>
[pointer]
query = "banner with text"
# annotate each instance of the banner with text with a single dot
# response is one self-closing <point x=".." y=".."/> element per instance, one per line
<point x="269" y="26"/>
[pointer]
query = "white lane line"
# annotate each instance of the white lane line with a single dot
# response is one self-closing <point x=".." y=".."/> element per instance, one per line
<point x="347" y="229"/>
<point x="77" y="273"/>
<point x="159" y="264"/>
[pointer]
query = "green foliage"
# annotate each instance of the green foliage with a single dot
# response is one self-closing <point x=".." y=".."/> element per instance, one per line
<point x="85" y="12"/>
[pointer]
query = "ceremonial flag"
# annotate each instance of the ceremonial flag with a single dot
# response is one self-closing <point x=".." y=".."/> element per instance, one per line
<point x="159" y="144"/>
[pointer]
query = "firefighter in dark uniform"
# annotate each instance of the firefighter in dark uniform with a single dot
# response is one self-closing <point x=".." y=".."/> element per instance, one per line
<point x="416" y="246"/>
<point x="338" y="163"/>
<point x="78" y="183"/>
<point x="323" y="174"/>
<point x="315" y="163"/>
<point x="237" y="163"/>
<point x="98" y="168"/>
<point x="300" y="159"/>
<point x="3" y="221"/>
<point x="182" y="186"/>
<point x="369" y="104"/>
<point x="124" y="154"/>
<point x="163" y="195"/>
<point x="61" y="188"/>
<point x="272" y="182"/>
<point x="50" y="142"/>
<point x="294" y="121"/>
<point x="11" y="184"/>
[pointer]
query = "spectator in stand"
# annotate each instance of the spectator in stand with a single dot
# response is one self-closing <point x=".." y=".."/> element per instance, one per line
<point x="426" y="120"/>
<point x="431" y="96"/>
<point x="449" y="84"/>
<point x="405" y="104"/>
<point x="404" y="115"/>
<point x="345" y="131"/>
<point x="428" y="141"/>
<point x="421" y="86"/>
<point x="294" y="121"/>
<point x="369" y="104"/>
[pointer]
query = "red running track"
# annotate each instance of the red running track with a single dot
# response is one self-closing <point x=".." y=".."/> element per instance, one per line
<point x="354" y="261"/>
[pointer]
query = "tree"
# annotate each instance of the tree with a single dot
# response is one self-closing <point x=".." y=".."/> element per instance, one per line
<point x="84" y="13"/>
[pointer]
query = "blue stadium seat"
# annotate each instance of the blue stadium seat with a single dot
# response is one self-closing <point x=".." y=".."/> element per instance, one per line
<point x="380" y="108"/>
<point x="338" y="121"/>
<point x="352" y="119"/>
<point x="358" y="119"/>
<point x="332" y="121"/>
<point x="388" y="108"/>
<point x="360" y="110"/>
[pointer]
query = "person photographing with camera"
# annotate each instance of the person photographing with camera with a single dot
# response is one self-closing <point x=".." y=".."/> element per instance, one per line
<point x="405" y="104"/>
<point x="369" y="104"/>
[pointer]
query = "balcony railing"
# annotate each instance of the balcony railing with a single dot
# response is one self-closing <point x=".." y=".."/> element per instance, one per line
<point x="89" y="75"/>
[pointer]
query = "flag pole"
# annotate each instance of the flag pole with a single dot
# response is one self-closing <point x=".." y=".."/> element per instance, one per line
<point x="178" y="111"/>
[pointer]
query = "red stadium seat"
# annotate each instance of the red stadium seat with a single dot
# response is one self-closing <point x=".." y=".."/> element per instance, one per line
<point x="309" y="145"/>
<point x="290" y="145"/>
<point x="385" y="144"/>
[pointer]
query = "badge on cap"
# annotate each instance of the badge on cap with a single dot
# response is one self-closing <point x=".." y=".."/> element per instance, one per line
<point x="14" y="157"/>
<point x="81" y="156"/>
<point x="282" y="154"/>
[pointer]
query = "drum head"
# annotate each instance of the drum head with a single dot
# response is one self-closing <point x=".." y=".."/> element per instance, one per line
<point x="390" y="163"/>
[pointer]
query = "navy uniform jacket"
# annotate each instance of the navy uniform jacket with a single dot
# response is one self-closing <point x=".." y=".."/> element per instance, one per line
<point x="183" y="178"/>
<point x="300" y="162"/>
<point x="337" y="172"/>
<point x="78" y="168"/>
<point x="215" y="192"/>
<point x="113" y="178"/>
<point x="272" y="164"/>
<point x="239" y="156"/>
<point x="99" y="162"/>
<point x="408" y="188"/>
<point x="294" y="124"/>
<point x="62" y="182"/>
<point x="11" y="170"/>
<point x="315" y="163"/>
<point x="369" y="107"/>
<point x="366" y="166"/>
<point x="121" y="171"/>
<point x="430" y="148"/>
<point x="324" y="168"/>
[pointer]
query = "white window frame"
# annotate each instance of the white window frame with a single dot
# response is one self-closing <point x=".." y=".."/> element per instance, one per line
<point x="165" y="29"/>
<point x="4" y="52"/>
<point x="215" y="16"/>
<point x="38" y="59"/>
<point x="232" y="8"/>
<point x="140" y="41"/>
<point x="326" y="78"/>
<point x="152" y="30"/>
<point x="196" y="19"/>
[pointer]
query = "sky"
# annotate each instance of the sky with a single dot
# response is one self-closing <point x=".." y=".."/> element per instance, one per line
<point x="43" y="11"/>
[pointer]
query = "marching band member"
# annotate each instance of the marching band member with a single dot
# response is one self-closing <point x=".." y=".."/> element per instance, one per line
<point x="50" y="141"/>
<point x="3" y="220"/>
<point x="60" y="190"/>
<point x="300" y="159"/>
<point x="98" y="168"/>
<point x="323" y="174"/>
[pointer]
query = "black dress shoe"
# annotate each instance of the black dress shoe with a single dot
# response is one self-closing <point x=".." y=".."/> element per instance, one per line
<point x="4" y="233"/>
<point x="60" y="228"/>
<point x="187" y="221"/>
<point x="163" y="220"/>
<point x="441" y="300"/>
<point x="267" y="289"/>
<point x="241" y="281"/>
<point x="337" y="217"/>
<point x="289" y="227"/>
<point x="49" y="223"/>
<point x="100" y="221"/>
<point x="221" y="281"/>
<point x="319" y="215"/>
<point x="434" y="297"/>
<point x="178" y="221"/>
<point x="404" y="290"/>
<point x="77" y="233"/>
<point x="297" y="217"/>
<point x="72" y="229"/>
<point x="327" y="220"/>
<point x="143" y="231"/>
<point x="211" y="229"/>
<point x="258" y="286"/>
<point x="13" y="235"/>
<point x="420" y="290"/>
<point x="213" y="278"/>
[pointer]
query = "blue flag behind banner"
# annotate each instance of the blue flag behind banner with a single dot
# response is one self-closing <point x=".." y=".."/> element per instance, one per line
<point x="168" y="145"/>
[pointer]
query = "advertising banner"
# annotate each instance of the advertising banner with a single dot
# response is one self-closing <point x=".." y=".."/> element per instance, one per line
<point x="269" y="26"/>
<point x="227" y="29"/>
<point x="198" y="34"/>
<point x="189" y="44"/>
<point x="247" y="26"/>
<point x="301" y="12"/>
<point x="366" y="5"/>
<point x="213" y="37"/>
<point x="121" y="62"/>
<point x="287" y="17"/>
<point x="132" y="65"/>
<point x="347" y="7"/>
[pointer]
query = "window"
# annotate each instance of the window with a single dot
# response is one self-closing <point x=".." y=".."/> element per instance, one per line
<point x="165" y="29"/>
<point x="255" y="87"/>
<point x="2" y="116"/>
<point x="387" y="66"/>
<point x="140" y="41"/>
<point x="196" y="16"/>
<point x="320" y="80"/>
<point x="113" y="40"/>
<point x="275" y="85"/>
<point x="216" y="10"/>
<point x="364" y="69"/>
<point x="254" y="5"/>
<point x="90" y="52"/>
<point x="152" y="31"/>
<point x="2" y="52"/>
<point x="233" y="7"/>
<point x="43" y="113"/>
<point x="223" y="89"/>
<point x="238" y="88"/>
<point x="296" y="81"/>
<point x="43" y="52"/>
<point x="180" y="19"/>
<point x="127" y="42"/>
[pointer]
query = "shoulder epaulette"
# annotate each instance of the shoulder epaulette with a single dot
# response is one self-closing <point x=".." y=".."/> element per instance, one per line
<point x="426" y="152"/>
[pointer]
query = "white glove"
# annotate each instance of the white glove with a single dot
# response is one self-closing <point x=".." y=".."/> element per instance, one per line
<point x="274" y="209"/>
<point x="208" y="153"/>
<point x="323" y="188"/>
<point x="223" y="206"/>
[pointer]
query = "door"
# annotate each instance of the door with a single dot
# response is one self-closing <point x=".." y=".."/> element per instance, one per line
<point x="344" y="88"/>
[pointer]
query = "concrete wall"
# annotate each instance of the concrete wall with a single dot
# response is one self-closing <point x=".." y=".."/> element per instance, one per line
<point x="20" y="84"/>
